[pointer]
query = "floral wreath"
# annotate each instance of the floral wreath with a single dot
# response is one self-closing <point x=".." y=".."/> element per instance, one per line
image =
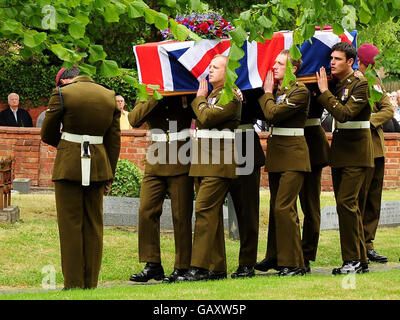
<point x="206" y="25"/>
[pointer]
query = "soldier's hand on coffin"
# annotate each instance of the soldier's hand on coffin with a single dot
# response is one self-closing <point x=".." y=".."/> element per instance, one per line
<point x="358" y="74"/>
<point x="203" y="88"/>
<point x="269" y="83"/>
<point x="322" y="80"/>
<point x="239" y="94"/>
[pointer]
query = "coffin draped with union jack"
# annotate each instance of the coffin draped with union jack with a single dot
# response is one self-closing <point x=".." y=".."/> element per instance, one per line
<point x="177" y="66"/>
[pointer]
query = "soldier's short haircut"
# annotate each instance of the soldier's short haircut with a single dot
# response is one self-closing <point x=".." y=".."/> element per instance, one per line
<point x="221" y="56"/>
<point x="347" y="48"/>
<point x="70" y="73"/>
<point x="296" y="63"/>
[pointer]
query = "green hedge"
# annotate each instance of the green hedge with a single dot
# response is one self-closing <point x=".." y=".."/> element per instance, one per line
<point x="127" y="180"/>
<point x="35" y="82"/>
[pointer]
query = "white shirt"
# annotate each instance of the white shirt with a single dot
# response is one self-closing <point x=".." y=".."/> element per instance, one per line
<point x="15" y="114"/>
<point x="397" y="113"/>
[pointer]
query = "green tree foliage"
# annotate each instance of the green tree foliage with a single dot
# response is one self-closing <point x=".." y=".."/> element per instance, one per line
<point x="34" y="82"/>
<point x="127" y="180"/>
<point x="386" y="36"/>
<point x="78" y="31"/>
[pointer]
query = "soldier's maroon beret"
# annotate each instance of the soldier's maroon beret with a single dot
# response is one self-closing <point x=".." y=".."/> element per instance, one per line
<point x="59" y="75"/>
<point x="367" y="53"/>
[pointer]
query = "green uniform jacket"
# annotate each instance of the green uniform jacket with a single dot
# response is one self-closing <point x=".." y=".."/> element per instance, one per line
<point x="287" y="153"/>
<point x="348" y="101"/>
<point x="89" y="109"/>
<point x="158" y="115"/>
<point x="211" y="115"/>
<point x="317" y="142"/>
<point x="382" y="112"/>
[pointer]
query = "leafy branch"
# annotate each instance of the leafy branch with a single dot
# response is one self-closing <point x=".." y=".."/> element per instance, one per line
<point x="70" y="29"/>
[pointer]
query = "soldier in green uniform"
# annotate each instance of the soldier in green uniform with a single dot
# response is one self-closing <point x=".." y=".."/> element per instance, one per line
<point x="287" y="161"/>
<point x="318" y="147"/>
<point x="213" y="166"/>
<point x="351" y="151"/>
<point x="87" y="154"/>
<point x="244" y="190"/>
<point x="166" y="172"/>
<point x="372" y="196"/>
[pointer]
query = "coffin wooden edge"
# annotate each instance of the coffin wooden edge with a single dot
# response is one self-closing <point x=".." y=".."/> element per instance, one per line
<point x="304" y="79"/>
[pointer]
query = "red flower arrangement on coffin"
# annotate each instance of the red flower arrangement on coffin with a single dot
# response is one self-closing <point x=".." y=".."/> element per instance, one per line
<point x="206" y="25"/>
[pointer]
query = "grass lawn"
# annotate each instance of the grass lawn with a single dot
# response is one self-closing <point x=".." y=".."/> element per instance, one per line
<point x="32" y="243"/>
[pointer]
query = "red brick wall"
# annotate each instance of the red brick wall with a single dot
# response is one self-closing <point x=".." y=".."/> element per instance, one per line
<point x="33" y="159"/>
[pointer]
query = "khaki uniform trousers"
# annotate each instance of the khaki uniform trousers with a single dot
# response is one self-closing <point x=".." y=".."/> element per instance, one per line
<point x="371" y="201"/>
<point x="208" y="250"/>
<point x="245" y="193"/>
<point x="152" y="195"/>
<point x="310" y="204"/>
<point x="347" y="184"/>
<point x="80" y="224"/>
<point x="284" y="239"/>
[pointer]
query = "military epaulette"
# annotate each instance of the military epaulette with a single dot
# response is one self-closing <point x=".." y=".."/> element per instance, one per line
<point x="349" y="80"/>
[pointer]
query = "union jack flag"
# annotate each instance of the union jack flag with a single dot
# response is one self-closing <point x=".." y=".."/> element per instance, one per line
<point x="179" y="65"/>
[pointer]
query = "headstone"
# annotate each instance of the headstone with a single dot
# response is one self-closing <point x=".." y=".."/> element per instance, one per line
<point x="22" y="185"/>
<point x="9" y="214"/>
<point x="389" y="216"/>
<point x="390" y="213"/>
<point x="124" y="211"/>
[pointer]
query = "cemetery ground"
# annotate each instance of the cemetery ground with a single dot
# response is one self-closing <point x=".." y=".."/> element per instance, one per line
<point x="32" y="243"/>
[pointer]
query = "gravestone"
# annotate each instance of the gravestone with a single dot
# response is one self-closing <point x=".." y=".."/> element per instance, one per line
<point x="390" y="216"/>
<point x="9" y="214"/>
<point x="124" y="211"/>
<point x="22" y="185"/>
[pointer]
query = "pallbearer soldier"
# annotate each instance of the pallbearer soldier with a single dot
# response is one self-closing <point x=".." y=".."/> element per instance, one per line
<point x="165" y="173"/>
<point x="245" y="190"/>
<point x="287" y="160"/>
<point x="381" y="113"/>
<point x="351" y="151"/>
<point x="87" y="154"/>
<point x="310" y="192"/>
<point x="213" y="166"/>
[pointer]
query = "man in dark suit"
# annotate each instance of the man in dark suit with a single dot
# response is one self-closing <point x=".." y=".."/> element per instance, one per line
<point x="87" y="154"/>
<point x="14" y="116"/>
<point x="351" y="152"/>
